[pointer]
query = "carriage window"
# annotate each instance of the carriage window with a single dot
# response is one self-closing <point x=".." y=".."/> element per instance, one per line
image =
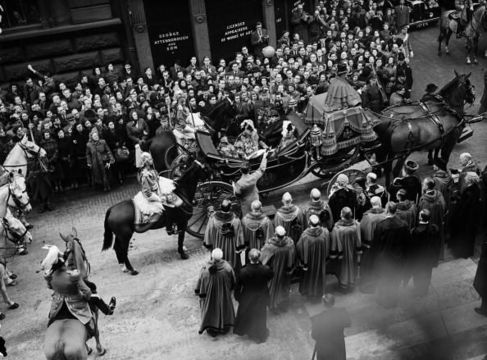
<point x="15" y="13"/>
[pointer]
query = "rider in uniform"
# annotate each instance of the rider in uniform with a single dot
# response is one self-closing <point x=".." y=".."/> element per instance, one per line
<point x="156" y="197"/>
<point x="430" y="94"/>
<point x="465" y="8"/>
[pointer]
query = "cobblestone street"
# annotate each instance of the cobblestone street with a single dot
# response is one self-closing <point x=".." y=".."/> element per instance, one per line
<point x="158" y="317"/>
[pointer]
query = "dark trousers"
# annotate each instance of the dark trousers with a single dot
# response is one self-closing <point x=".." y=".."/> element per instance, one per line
<point x="96" y="300"/>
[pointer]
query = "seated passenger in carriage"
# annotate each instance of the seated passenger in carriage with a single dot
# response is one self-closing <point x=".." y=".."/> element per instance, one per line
<point x="185" y="134"/>
<point x="289" y="134"/>
<point x="250" y="140"/>
<point x="226" y="149"/>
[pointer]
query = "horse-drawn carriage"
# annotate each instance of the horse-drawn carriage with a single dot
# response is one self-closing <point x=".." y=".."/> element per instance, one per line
<point x="347" y="134"/>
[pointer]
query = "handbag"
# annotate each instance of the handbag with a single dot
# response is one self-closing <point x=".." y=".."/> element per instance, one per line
<point x="122" y="154"/>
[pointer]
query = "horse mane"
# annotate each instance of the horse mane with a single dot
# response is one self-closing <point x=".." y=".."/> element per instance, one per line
<point x="448" y="87"/>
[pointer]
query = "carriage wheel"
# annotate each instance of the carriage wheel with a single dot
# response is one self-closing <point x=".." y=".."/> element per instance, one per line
<point x="207" y="199"/>
<point x="329" y="166"/>
<point x="179" y="166"/>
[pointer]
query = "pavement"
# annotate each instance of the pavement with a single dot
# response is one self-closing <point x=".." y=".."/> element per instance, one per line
<point x="158" y="315"/>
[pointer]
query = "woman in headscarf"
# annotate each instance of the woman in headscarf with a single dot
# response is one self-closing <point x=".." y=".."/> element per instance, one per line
<point x="99" y="159"/>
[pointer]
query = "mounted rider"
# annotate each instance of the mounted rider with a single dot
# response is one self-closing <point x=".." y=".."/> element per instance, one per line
<point x="463" y="15"/>
<point x="156" y="194"/>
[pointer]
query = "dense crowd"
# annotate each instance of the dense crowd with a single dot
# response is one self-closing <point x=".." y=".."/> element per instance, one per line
<point x="95" y="123"/>
<point x="369" y="237"/>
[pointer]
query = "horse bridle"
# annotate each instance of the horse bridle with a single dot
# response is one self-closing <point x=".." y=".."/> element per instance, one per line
<point x="26" y="152"/>
<point x="17" y="202"/>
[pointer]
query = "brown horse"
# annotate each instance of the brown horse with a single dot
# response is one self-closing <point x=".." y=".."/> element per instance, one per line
<point x="423" y="126"/>
<point x="120" y="218"/>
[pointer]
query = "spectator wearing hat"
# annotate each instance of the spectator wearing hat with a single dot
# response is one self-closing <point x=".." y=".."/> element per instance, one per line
<point x="252" y="295"/>
<point x="214" y="288"/>
<point x="259" y="39"/>
<point x="404" y="74"/>
<point x="406" y="209"/>
<point x="279" y="254"/>
<point x="246" y="187"/>
<point x="411" y="182"/>
<point x="443" y="180"/>
<point x="99" y="159"/>
<point x="313" y="250"/>
<point x="290" y="217"/>
<point x="372" y="96"/>
<point x="327" y="330"/>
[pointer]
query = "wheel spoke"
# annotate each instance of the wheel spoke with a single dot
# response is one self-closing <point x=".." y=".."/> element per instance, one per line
<point x="202" y="215"/>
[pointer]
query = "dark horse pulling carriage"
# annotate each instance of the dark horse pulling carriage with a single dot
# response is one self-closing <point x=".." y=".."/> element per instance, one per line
<point x="348" y="136"/>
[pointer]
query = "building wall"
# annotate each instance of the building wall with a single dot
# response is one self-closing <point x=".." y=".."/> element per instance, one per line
<point x="91" y="34"/>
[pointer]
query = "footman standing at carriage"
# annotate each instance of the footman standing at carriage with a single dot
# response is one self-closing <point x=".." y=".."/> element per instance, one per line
<point x="280" y="255"/>
<point x="246" y="187"/>
<point x="252" y="294"/>
<point x="214" y="288"/>
<point x="313" y="251"/>
<point x="290" y="217"/>
<point x="257" y="227"/>
<point x="320" y="208"/>
<point x="224" y="231"/>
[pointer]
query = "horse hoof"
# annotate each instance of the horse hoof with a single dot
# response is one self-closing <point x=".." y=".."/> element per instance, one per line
<point x="468" y="61"/>
<point x="101" y="352"/>
<point x="134" y="272"/>
<point x="475" y="61"/>
<point x="183" y="255"/>
<point x="439" y="53"/>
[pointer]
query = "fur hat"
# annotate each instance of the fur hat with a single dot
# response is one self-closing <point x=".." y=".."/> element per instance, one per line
<point x="411" y="166"/>
<point x="280" y="231"/>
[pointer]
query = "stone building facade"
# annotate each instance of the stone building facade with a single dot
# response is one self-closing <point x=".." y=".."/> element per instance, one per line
<point x="66" y="37"/>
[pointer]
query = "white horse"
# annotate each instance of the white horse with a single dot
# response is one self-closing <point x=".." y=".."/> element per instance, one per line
<point x="17" y="159"/>
<point x="13" y="194"/>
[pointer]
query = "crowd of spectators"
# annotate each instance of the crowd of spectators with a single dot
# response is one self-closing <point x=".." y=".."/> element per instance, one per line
<point x="97" y="122"/>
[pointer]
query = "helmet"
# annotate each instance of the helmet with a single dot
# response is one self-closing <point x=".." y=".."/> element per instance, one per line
<point x="145" y="157"/>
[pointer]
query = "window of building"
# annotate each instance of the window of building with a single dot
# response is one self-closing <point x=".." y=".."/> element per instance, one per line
<point x="19" y="13"/>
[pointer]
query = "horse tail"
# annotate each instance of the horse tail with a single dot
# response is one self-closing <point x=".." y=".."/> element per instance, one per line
<point x="108" y="235"/>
